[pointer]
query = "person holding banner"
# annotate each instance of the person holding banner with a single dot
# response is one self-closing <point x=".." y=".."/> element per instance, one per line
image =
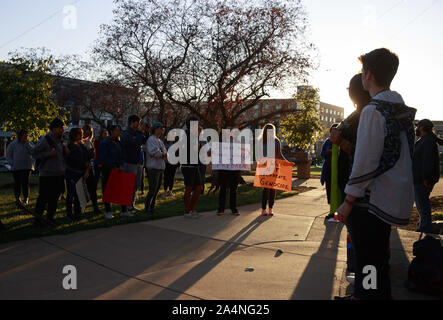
<point x="78" y="166"/>
<point x="155" y="164"/>
<point x="111" y="158"/>
<point x="268" y="195"/>
<point x="228" y="179"/>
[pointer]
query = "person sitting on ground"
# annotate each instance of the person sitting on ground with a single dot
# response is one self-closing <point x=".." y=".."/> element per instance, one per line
<point x="426" y="167"/>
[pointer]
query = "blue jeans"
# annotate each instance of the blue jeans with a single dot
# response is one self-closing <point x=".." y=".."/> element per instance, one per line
<point x="423" y="206"/>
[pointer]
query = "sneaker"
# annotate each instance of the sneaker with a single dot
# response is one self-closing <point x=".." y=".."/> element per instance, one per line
<point x="188" y="215"/>
<point x="126" y="214"/>
<point x="109" y="216"/>
<point x="163" y="195"/>
<point x="25" y="202"/>
<point x="171" y="194"/>
<point x="220" y="213"/>
<point x="264" y="213"/>
<point x="235" y="212"/>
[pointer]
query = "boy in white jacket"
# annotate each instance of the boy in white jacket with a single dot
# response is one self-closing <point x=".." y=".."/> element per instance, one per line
<point x="380" y="191"/>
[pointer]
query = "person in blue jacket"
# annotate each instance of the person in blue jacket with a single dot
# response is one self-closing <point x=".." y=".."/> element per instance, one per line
<point x="111" y="157"/>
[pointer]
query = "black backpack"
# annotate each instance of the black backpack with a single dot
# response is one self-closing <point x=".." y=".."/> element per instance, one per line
<point x="40" y="162"/>
<point x="425" y="272"/>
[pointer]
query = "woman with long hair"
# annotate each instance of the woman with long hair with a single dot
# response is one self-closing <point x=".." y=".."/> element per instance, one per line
<point x="78" y="165"/>
<point x="19" y="156"/>
<point x="268" y="195"/>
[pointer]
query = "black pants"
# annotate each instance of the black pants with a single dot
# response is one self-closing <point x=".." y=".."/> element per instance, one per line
<point x="21" y="183"/>
<point x="106" y="172"/>
<point x="268" y="197"/>
<point x="328" y="189"/>
<point x="170" y="171"/>
<point x="227" y="180"/>
<point x="155" y="180"/>
<point x="91" y="184"/>
<point x="50" y="189"/>
<point x="370" y="238"/>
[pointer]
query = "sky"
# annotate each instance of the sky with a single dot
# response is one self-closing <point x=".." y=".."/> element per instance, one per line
<point x="341" y="29"/>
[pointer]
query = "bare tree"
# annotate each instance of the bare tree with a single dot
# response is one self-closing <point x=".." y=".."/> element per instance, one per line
<point x="212" y="59"/>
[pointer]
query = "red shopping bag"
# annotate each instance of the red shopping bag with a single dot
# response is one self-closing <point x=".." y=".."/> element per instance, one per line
<point x="120" y="188"/>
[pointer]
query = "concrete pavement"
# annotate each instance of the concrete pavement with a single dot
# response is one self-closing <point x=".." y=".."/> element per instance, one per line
<point x="294" y="255"/>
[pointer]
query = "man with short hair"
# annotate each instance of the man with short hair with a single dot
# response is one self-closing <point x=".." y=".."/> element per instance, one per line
<point x="50" y="153"/>
<point x="380" y="191"/>
<point x="426" y="167"/>
<point x="132" y="140"/>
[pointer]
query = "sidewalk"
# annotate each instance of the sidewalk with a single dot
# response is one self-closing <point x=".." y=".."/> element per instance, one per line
<point x="210" y="258"/>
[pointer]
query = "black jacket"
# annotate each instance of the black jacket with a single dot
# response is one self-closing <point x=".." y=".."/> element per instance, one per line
<point x="78" y="159"/>
<point x="132" y="142"/>
<point x="426" y="161"/>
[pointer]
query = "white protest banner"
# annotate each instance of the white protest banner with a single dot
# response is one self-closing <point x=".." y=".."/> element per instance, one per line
<point x="82" y="194"/>
<point x="231" y="156"/>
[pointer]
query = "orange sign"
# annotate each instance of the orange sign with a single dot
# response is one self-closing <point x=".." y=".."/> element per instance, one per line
<point x="274" y="174"/>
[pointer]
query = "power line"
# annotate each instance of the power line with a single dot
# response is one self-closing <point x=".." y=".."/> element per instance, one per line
<point x="390" y="9"/>
<point x="36" y="26"/>
<point x="418" y="16"/>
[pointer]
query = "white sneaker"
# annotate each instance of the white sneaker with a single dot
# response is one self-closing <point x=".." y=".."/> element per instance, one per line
<point x="351" y="278"/>
<point x="109" y="216"/>
<point x="126" y="214"/>
<point x="171" y="194"/>
<point x="195" y="214"/>
<point x="163" y="195"/>
<point x="188" y="215"/>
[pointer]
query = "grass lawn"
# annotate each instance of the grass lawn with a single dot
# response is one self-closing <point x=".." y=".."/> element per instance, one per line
<point x="21" y="225"/>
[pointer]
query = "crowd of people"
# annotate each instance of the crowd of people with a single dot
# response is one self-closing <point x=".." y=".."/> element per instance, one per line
<point x="140" y="149"/>
<point x="382" y="168"/>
